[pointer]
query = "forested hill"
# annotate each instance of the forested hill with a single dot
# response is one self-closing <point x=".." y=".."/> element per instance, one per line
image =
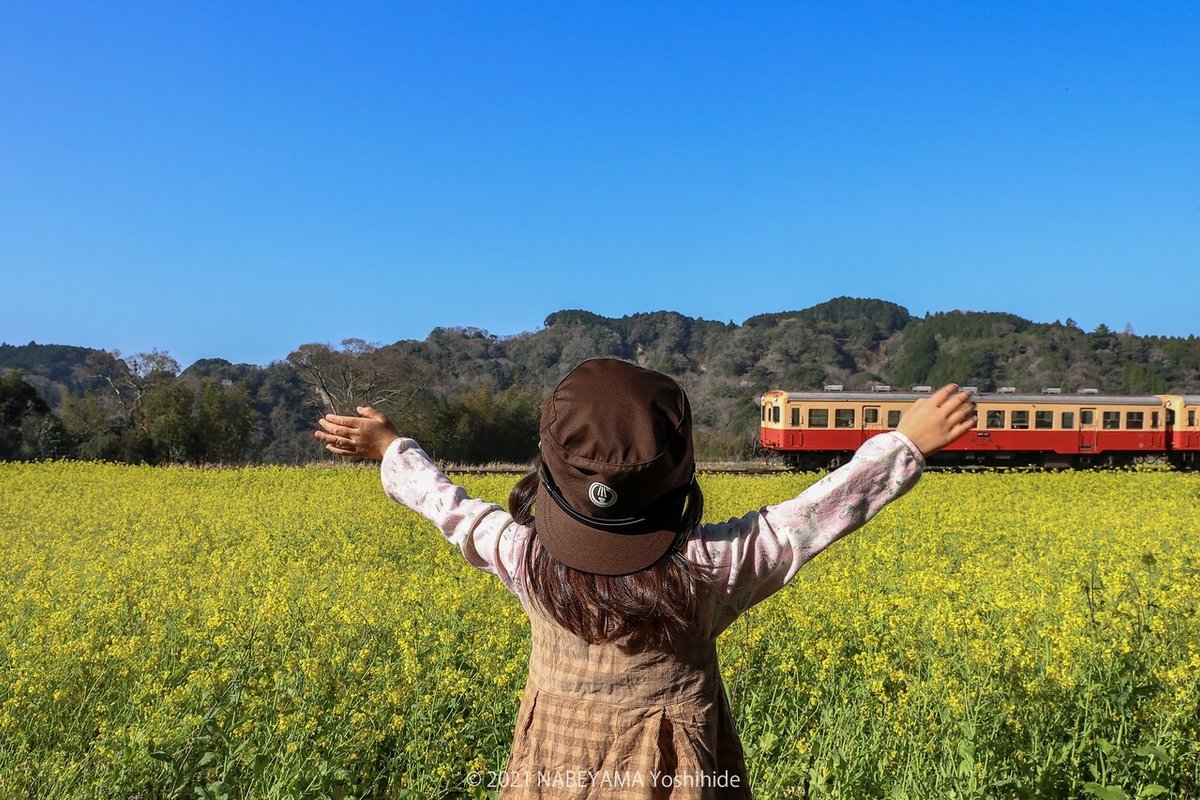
<point x="470" y="396"/>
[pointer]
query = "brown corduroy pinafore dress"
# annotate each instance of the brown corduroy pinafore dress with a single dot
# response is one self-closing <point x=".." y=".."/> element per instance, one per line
<point x="603" y="720"/>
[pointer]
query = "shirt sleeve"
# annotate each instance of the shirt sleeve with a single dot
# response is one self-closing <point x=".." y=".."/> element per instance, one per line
<point x="755" y="556"/>
<point x="490" y="539"/>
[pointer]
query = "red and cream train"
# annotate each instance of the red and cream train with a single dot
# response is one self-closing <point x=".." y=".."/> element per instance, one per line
<point x="815" y="430"/>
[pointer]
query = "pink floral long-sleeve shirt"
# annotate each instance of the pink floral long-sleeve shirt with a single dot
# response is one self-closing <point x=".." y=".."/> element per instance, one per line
<point x="751" y="557"/>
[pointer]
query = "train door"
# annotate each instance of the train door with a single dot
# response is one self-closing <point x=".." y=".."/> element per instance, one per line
<point x="795" y="439"/>
<point x="872" y="421"/>
<point x="1088" y="425"/>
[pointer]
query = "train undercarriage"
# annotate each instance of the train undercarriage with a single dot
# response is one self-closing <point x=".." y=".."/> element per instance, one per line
<point x="959" y="459"/>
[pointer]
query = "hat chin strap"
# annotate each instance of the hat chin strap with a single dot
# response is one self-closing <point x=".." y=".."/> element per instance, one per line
<point x="668" y="501"/>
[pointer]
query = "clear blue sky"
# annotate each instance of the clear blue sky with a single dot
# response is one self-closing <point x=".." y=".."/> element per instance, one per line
<point x="236" y="179"/>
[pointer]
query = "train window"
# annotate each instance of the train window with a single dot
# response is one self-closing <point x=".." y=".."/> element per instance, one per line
<point x="1020" y="420"/>
<point x="1154" y="420"/>
<point x="795" y="416"/>
<point x="995" y="419"/>
<point x="1191" y="417"/>
<point x="1043" y="419"/>
<point x="1068" y="420"/>
<point x="765" y="412"/>
<point x="1087" y="417"/>
<point x="818" y="418"/>
<point x="1112" y="420"/>
<point x="774" y="413"/>
<point x="871" y="416"/>
<point x="1133" y="420"/>
<point x="893" y="418"/>
<point x="843" y="418"/>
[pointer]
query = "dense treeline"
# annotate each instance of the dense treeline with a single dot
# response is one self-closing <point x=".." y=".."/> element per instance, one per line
<point x="471" y="397"/>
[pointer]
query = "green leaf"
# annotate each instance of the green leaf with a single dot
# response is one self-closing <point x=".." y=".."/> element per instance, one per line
<point x="1153" y="790"/>
<point x="261" y="762"/>
<point x="1105" y="792"/>
<point x="1156" y="753"/>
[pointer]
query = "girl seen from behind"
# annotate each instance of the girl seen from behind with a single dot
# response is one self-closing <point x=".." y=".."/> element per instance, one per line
<point x="626" y="591"/>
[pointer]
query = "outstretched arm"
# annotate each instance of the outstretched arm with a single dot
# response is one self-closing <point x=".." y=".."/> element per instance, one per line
<point x="487" y="535"/>
<point x="756" y="555"/>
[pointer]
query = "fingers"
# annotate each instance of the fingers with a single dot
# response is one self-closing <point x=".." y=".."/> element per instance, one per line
<point x="336" y="429"/>
<point x="957" y="400"/>
<point x="367" y="411"/>
<point x="961" y="415"/>
<point x="335" y="441"/>
<point x="947" y="402"/>
<point x="348" y="436"/>
<point x="961" y="428"/>
<point x="959" y="407"/>
<point x="943" y="394"/>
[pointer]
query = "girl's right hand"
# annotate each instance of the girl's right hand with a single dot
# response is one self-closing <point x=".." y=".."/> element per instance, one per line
<point x="935" y="421"/>
<point x="367" y="436"/>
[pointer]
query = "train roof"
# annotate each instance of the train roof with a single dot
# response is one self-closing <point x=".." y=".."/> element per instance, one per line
<point x="988" y="397"/>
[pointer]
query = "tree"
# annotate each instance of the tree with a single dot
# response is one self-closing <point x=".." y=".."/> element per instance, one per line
<point x="224" y="422"/>
<point x="356" y="375"/>
<point x="1102" y="338"/>
<point x="919" y="356"/>
<point x="93" y="426"/>
<point x="168" y="421"/>
<point x="27" y="428"/>
<point x="479" y="427"/>
<point x="132" y="379"/>
<point x="286" y="412"/>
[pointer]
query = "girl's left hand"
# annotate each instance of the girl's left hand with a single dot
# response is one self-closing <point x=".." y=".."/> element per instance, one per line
<point x="367" y="436"/>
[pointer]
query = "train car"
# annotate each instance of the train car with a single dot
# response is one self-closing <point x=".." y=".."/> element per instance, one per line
<point x="813" y="430"/>
<point x="1183" y="429"/>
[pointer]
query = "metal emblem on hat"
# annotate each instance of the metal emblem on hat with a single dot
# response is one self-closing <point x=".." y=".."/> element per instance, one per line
<point x="601" y="496"/>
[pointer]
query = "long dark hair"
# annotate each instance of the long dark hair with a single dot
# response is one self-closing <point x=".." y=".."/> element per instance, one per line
<point x="655" y="605"/>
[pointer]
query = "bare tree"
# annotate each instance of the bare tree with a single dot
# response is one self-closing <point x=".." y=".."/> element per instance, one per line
<point x="358" y="374"/>
<point x="132" y="378"/>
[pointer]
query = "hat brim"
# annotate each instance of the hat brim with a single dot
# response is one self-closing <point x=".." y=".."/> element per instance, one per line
<point x="589" y="549"/>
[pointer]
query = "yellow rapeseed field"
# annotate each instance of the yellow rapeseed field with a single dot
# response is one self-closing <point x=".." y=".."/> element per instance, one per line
<point x="286" y="632"/>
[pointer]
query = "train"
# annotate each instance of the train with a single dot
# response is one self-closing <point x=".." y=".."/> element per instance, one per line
<point x="822" y="429"/>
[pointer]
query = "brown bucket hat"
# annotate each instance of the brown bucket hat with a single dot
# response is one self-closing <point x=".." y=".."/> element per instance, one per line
<point x="618" y="463"/>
